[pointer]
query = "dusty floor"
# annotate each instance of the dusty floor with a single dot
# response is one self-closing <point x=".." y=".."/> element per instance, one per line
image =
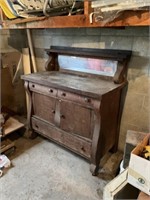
<point x="43" y="170"/>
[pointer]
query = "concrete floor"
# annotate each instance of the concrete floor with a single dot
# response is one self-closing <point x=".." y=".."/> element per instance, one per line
<point x="42" y="170"/>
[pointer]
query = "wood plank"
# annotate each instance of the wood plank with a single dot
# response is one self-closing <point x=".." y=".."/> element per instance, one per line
<point x="87" y="7"/>
<point x="26" y="68"/>
<point x="5" y="145"/>
<point x="127" y="18"/>
<point x="12" y="125"/>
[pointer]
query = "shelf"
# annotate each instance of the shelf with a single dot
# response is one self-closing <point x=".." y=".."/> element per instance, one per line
<point x="127" y="18"/>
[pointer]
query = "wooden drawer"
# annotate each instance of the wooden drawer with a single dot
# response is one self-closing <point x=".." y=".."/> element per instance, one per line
<point x="42" y="89"/>
<point x="74" y="143"/>
<point x="84" y="100"/>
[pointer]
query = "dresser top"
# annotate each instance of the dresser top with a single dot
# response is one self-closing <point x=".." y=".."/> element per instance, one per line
<point x="93" y="87"/>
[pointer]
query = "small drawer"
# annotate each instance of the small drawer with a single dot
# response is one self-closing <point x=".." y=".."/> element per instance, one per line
<point x="42" y="89"/>
<point x="75" y="97"/>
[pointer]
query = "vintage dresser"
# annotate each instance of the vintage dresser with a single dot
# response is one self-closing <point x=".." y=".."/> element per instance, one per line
<point x="77" y="102"/>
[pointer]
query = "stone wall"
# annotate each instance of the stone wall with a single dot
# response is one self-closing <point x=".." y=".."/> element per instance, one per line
<point x="136" y="114"/>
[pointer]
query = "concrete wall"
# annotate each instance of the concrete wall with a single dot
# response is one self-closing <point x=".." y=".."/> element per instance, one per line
<point x="136" y="114"/>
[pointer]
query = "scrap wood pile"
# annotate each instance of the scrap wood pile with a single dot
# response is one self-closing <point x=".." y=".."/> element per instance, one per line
<point x="31" y="8"/>
<point x="108" y="10"/>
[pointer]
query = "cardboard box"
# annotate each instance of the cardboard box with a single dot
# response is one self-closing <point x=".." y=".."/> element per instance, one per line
<point x="139" y="168"/>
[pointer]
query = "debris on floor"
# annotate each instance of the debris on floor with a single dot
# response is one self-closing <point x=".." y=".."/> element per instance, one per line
<point x="4" y="163"/>
<point x="110" y="166"/>
<point x="7" y="146"/>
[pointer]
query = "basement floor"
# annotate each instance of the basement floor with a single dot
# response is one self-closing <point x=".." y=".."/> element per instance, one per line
<point x="42" y="170"/>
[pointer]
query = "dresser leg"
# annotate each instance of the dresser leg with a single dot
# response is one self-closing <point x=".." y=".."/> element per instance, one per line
<point x="114" y="149"/>
<point x="30" y="134"/>
<point x="94" y="169"/>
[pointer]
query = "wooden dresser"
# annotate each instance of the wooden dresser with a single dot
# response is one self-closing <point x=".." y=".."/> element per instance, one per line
<point x="78" y="101"/>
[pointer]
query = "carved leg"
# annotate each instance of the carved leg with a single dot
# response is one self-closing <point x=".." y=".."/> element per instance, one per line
<point x="29" y="132"/>
<point x="114" y="148"/>
<point x="94" y="169"/>
<point x="96" y="151"/>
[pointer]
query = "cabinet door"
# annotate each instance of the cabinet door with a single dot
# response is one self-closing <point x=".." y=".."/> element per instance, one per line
<point x="76" y="119"/>
<point x="44" y="106"/>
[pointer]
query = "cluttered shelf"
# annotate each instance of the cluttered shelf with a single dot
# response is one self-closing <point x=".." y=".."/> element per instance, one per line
<point x="87" y="14"/>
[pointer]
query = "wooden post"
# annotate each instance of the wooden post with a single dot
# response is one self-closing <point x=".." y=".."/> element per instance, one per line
<point x="87" y="7"/>
<point x="31" y="50"/>
<point x="26" y="68"/>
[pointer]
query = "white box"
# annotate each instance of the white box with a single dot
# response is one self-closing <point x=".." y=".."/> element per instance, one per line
<point x="139" y="168"/>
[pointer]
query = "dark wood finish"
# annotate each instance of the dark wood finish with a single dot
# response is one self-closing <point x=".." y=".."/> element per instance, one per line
<point x="75" y="119"/>
<point x="79" y="111"/>
<point x="114" y="54"/>
<point x="48" y="110"/>
<point x="72" y="142"/>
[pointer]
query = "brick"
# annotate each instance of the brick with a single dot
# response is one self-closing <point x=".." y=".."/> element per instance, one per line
<point x="127" y="31"/>
<point x="119" y="42"/>
<point x="42" y="42"/>
<point x="138" y="66"/>
<point x="40" y="53"/>
<point x="73" y="32"/>
<point x="93" y="31"/>
<point x="62" y="41"/>
<point x="86" y="42"/>
<point x="141" y="46"/>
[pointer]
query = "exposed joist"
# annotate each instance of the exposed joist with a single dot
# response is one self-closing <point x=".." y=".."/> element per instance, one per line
<point x="127" y="18"/>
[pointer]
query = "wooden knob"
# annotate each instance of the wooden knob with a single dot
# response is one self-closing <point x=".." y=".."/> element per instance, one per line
<point x="63" y="94"/>
<point x="53" y="111"/>
<point x="36" y="126"/>
<point x="62" y="116"/>
<point x="87" y="100"/>
<point x="83" y="149"/>
<point x="50" y="90"/>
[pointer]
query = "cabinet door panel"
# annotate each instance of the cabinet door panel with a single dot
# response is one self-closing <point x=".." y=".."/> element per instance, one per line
<point x="44" y="107"/>
<point x="76" y="119"/>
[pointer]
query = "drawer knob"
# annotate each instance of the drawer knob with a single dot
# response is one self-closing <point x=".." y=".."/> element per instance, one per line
<point x="87" y="100"/>
<point x="63" y="94"/>
<point x="50" y="90"/>
<point x="62" y="116"/>
<point x="36" y="126"/>
<point x="83" y="149"/>
<point x="53" y="111"/>
<point x="33" y="85"/>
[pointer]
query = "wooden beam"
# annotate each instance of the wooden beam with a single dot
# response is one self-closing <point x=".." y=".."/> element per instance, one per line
<point x="127" y="18"/>
<point x="87" y="7"/>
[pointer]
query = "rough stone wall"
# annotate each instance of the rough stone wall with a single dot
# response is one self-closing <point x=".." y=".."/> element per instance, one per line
<point x="136" y="114"/>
